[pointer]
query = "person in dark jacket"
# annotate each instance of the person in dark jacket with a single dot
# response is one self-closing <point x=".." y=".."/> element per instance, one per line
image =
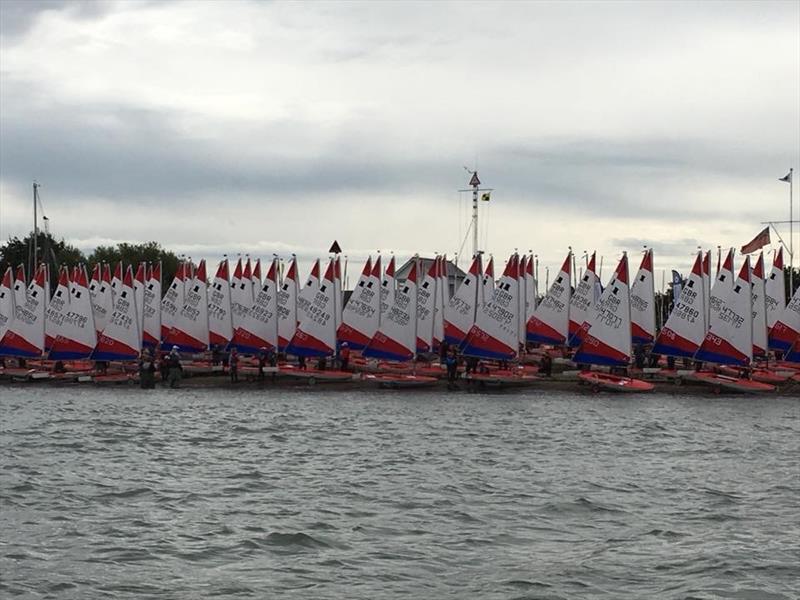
<point x="175" y="368"/>
<point x="452" y="366"/>
<point x="233" y="365"/>
<point x="546" y="365"/>
<point x="147" y="371"/>
<point x="344" y="356"/>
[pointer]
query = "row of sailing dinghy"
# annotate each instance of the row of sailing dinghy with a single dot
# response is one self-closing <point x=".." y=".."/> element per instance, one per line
<point x="733" y="321"/>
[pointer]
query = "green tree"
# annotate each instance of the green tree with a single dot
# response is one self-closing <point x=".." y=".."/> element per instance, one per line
<point x="54" y="252"/>
<point x="133" y="254"/>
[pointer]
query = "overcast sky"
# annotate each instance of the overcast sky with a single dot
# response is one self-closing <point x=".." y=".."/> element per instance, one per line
<point x="260" y="127"/>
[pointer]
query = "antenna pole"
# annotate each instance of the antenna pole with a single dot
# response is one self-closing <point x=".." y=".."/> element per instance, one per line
<point x="475" y="183"/>
<point x="791" y="236"/>
<point x="35" y="227"/>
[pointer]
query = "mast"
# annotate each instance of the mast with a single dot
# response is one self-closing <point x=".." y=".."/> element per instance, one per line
<point x="791" y="236"/>
<point x="475" y="184"/>
<point x="35" y="227"/>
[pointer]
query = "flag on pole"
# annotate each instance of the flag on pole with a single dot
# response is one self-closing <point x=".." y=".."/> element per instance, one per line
<point x="758" y="242"/>
<point x="787" y="179"/>
<point x="677" y="285"/>
<point x="486" y="196"/>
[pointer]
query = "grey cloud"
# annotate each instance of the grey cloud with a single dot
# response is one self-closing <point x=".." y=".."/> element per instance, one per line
<point x="124" y="152"/>
<point x="18" y="16"/>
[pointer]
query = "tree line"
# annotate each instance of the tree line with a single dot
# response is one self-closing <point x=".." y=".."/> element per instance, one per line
<point x="18" y="251"/>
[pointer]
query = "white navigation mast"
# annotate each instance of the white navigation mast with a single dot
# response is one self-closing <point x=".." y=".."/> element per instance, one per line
<point x="475" y="185"/>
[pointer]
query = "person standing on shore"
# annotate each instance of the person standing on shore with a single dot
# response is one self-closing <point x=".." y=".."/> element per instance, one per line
<point x="147" y="371"/>
<point x="175" y="368"/>
<point x="233" y="365"/>
<point x="344" y="357"/>
<point x="452" y="366"/>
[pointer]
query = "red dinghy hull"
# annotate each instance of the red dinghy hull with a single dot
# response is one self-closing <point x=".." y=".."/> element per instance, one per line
<point x="615" y="383"/>
<point x="503" y="378"/>
<point x="733" y="384"/>
<point x="761" y="375"/>
<point x="315" y="375"/>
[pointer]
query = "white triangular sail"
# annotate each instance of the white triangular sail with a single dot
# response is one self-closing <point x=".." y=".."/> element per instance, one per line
<point x="220" y="316"/>
<point x="607" y="337"/>
<point x="172" y="302"/>
<point x="249" y="292"/>
<point x="120" y="339"/>
<point x="786" y="329"/>
<point x="360" y="316"/>
<point x="151" y="336"/>
<point x="459" y="314"/>
<point x="189" y="331"/>
<point x="582" y="305"/>
<point x="730" y="335"/>
<point x="775" y="290"/>
<point x="287" y="305"/>
<point x="685" y="328"/>
<point x="722" y="285"/>
<point x="439" y="303"/>
<point x="78" y="335"/>
<point x="396" y="338"/>
<point x="643" y="302"/>
<point x="387" y="289"/>
<point x="25" y="335"/>
<point x="139" y="284"/>
<point x="241" y="299"/>
<point x="100" y="291"/>
<point x="316" y="332"/>
<point x="759" y="308"/>
<point x="20" y="286"/>
<point x="550" y="321"/>
<point x="259" y="329"/>
<point x="426" y="308"/>
<point x="7" y="303"/>
<point x="116" y="282"/>
<point x="308" y="292"/>
<point x="530" y="290"/>
<point x="495" y="334"/>
<point x="487" y="279"/>
<point x="522" y="291"/>
<point x="56" y="310"/>
<point x="255" y="278"/>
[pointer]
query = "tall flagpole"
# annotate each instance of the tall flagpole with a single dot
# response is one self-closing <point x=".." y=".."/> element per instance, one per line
<point x="791" y="236"/>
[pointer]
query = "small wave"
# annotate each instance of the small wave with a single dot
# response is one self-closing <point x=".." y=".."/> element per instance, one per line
<point x="581" y="504"/>
<point x="465" y="517"/>
<point x="666" y="533"/>
<point x="246" y="475"/>
<point x="22" y="487"/>
<point x="60" y="587"/>
<point x="723" y="494"/>
<point x="524" y="584"/>
<point x="131" y="493"/>
<point x="304" y="540"/>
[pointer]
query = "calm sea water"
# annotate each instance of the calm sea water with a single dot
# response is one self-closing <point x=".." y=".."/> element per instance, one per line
<point x="123" y="493"/>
